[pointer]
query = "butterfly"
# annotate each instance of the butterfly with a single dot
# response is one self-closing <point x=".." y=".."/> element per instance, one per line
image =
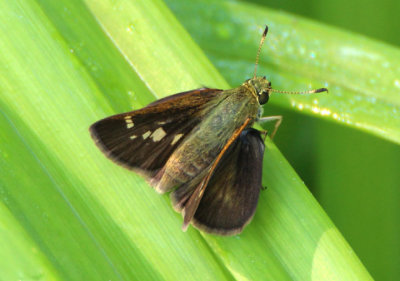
<point x="200" y="146"/>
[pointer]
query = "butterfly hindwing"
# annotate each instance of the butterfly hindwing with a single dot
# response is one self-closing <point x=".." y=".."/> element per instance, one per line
<point x="230" y="198"/>
<point x="144" y="139"/>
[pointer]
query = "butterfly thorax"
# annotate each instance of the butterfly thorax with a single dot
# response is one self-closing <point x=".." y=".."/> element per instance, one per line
<point x="194" y="156"/>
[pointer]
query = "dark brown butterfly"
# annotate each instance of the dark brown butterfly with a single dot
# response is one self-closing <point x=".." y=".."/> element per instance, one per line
<point x="199" y="145"/>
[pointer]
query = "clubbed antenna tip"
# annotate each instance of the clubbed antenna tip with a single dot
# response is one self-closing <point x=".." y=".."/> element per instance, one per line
<point x="321" y="90"/>
<point x="265" y="31"/>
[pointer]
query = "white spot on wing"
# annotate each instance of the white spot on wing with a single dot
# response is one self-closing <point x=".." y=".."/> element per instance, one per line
<point x="133" y="137"/>
<point x="161" y="123"/>
<point x="146" y="135"/>
<point x="129" y="122"/>
<point x="158" y="134"/>
<point x="176" y="138"/>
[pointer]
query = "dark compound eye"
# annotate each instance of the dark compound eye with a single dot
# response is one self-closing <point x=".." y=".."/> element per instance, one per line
<point x="263" y="97"/>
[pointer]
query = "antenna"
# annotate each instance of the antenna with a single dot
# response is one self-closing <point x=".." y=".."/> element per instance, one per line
<point x="259" y="49"/>
<point x="320" y="90"/>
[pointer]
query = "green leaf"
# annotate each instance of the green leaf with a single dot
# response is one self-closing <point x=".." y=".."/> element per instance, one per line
<point x="363" y="76"/>
<point x="72" y="214"/>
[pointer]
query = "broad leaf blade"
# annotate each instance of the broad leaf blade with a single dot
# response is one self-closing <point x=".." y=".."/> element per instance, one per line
<point x="88" y="224"/>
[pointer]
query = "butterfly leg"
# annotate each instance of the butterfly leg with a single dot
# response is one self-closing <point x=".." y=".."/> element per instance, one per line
<point x="193" y="202"/>
<point x="275" y="118"/>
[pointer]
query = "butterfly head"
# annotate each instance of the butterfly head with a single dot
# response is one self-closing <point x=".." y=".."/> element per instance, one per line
<point x="262" y="87"/>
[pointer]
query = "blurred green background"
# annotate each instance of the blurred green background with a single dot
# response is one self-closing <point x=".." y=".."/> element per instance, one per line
<point x="354" y="176"/>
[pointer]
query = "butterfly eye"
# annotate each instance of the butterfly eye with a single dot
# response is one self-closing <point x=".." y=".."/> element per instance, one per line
<point x="263" y="97"/>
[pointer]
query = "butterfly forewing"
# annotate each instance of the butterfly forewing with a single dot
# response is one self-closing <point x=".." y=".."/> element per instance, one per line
<point x="144" y="139"/>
